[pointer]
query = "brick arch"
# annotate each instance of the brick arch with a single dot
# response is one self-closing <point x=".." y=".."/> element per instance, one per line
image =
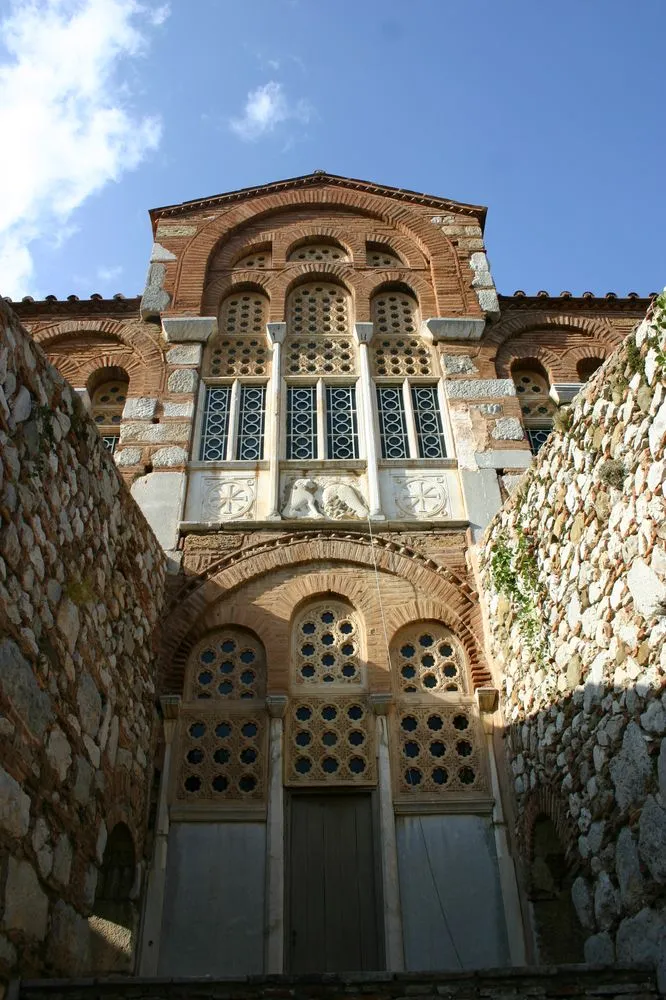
<point x="418" y="283"/>
<point x="125" y="802"/>
<point x="519" y="324"/>
<point x="570" y="358"/>
<point x="405" y="248"/>
<point x="190" y="271"/>
<point x="232" y="282"/>
<point x="144" y="358"/>
<point x="546" y="800"/>
<point x="514" y="351"/>
<point x="423" y="609"/>
<point x="78" y="371"/>
<point x="232" y="571"/>
<point x="284" y="282"/>
<point x="300" y="236"/>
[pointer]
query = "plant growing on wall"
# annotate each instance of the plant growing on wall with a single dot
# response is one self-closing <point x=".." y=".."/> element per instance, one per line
<point x="515" y="574"/>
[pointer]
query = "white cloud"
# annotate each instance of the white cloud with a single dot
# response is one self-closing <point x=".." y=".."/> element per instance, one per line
<point x="107" y="274"/>
<point x="266" y="107"/>
<point x="65" y="106"/>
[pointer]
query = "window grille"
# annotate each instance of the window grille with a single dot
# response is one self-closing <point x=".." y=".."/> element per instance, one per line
<point x="318" y="308"/>
<point x="216" y="424"/>
<point x="392" y="423"/>
<point x="395" y="313"/>
<point x="302" y="422"/>
<point x="243" y="313"/>
<point x="429" y="660"/>
<point x="537" y="437"/>
<point x="341" y="424"/>
<point x="326" y="646"/>
<point x="429" y="430"/>
<point x="259" y="259"/>
<point x="250" y="442"/>
<point x="317" y="251"/>
<point x="381" y="256"/>
<point x="395" y="356"/>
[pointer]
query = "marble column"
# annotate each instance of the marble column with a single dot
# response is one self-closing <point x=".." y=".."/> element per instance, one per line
<point x="149" y="945"/>
<point x="395" y="959"/>
<point x="363" y="335"/>
<point x="275" y="334"/>
<point x="275" y="846"/>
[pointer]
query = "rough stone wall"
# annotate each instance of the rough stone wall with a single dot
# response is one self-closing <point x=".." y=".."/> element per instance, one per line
<point x="81" y="579"/>
<point x="574" y="571"/>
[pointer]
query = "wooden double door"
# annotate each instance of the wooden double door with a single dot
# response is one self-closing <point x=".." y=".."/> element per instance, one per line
<point x="334" y="908"/>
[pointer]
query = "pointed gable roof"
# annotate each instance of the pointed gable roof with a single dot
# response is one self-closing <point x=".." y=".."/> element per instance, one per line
<point x="320" y="178"/>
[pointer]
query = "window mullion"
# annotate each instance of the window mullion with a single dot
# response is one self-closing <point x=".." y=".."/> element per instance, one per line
<point x="234" y="408"/>
<point x="410" y="420"/>
<point x="321" y="420"/>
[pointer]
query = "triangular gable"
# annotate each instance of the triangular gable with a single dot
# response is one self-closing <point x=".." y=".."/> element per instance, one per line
<point x="322" y="179"/>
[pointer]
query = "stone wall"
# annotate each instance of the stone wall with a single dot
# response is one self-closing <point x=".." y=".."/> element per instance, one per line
<point x="81" y="579"/>
<point x="574" y="571"/>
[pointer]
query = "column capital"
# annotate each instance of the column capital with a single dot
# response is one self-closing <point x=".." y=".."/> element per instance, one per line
<point x="381" y="702"/>
<point x="363" y="332"/>
<point x="276" y="705"/>
<point x="276" y="333"/>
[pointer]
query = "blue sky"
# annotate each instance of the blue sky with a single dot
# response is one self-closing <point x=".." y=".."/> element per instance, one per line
<point x="551" y="114"/>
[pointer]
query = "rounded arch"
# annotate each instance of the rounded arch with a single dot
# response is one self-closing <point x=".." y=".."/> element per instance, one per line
<point x="190" y="607"/>
<point x="256" y="256"/>
<point x="428" y="658"/>
<point x="415" y="226"/>
<point x="327" y="644"/>
<point x="417" y="285"/>
<point x="78" y="347"/>
<point x="227" y="663"/>
<point x="514" y="355"/>
<point x="519" y="324"/>
<point x="405" y="249"/>
<point x="578" y="357"/>
<point x="301" y="243"/>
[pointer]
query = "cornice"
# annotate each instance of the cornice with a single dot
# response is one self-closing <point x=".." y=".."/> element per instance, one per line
<point x="566" y="302"/>
<point x="322" y="179"/>
<point x="72" y="307"/>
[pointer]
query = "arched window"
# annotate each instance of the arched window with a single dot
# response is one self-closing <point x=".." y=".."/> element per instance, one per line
<point x="239" y="357"/>
<point x="559" y="934"/>
<point x="586" y="368"/>
<point x="327" y="646"/>
<point x="227" y="664"/>
<point x="114" y="915"/>
<point x="325" y="251"/>
<point x="107" y="403"/>
<point x="438" y="746"/>
<point x="259" y="258"/>
<point x="380" y="255"/>
<point x="429" y="660"/>
<point x="222" y="742"/>
<point x="329" y="722"/>
<point x="536" y="406"/>
<point x="319" y="344"/>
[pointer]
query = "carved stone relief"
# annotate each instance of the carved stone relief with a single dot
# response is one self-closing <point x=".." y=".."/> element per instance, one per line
<point x="227" y="499"/>
<point x="421" y="497"/>
<point x="327" y="499"/>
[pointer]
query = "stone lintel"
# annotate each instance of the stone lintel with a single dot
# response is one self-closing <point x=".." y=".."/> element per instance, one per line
<point x="363" y="332"/>
<point x="479" y="388"/>
<point x="160" y="253"/>
<point x="509" y="458"/>
<point x="276" y="333"/>
<point x="439" y="328"/>
<point x="186" y="329"/>
<point x="564" y="392"/>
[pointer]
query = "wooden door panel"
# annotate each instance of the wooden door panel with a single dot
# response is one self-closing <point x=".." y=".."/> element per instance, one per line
<point x="333" y="905"/>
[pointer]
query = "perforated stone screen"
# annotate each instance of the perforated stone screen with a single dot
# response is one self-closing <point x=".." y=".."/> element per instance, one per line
<point x="438" y="749"/>
<point x="332" y="356"/>
<point x="107" y="404"/>
<point x="326" y="646"/>
<point x="258" y="259"/>
<point x="318" y="251"/>
<point x="394" y="313"/>
<point x="236" y="358"/>
<point x="397" y="356"/>
<point x="243" y="313"/>
<point x="533" y="394"/>
<point x="221" y="756"/>
<point x="228" y="664"/>
<point x="318" y="308"/>
<point x="330" y="742"/>
<point x="380" y="256"/>
<point x="427" y="659"/>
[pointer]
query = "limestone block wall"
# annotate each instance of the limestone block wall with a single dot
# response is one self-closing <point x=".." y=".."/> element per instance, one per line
<point x="574" y="572"/>
<point x="81" y="579"/>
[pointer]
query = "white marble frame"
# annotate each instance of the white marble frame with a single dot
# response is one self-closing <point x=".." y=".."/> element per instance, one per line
<point x="234" y="412"/>
<point x="320" y="382"/>
<point x="406" y="382"/>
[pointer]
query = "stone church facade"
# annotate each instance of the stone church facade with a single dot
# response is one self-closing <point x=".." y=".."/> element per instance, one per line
<point x="319" y="404"/>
